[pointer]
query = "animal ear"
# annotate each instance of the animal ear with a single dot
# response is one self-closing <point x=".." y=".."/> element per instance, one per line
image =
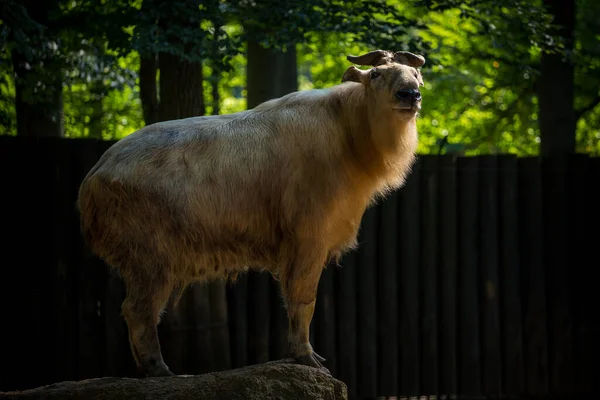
<point x="410" y="59"/>
<point x="373" y="58"/>
<point x="420" y="78"/>
<point x="353" y="74"/>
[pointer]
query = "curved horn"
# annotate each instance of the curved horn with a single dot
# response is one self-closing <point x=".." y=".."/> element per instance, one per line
<point x="373" y="58"/>
<point x="407" y="58"/>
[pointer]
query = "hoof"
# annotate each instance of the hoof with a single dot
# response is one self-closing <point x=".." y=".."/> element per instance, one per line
<point x="312" y="360"/>
<point x="157" y="370"/>
<point x="319" y="358"/>
<point x="158" y="373"/>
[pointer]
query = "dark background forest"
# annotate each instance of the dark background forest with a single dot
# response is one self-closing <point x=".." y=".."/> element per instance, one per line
<point x="516" y="77"/>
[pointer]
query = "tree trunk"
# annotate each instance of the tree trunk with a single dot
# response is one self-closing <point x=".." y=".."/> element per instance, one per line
<point x="181" y="91"/>
<point x="556" y="87"/>
<point x="216" y="98"/>
<point x="39" y="108"/>
<point x="148" y="94"/>
<point x="38" y="113"/>
<point x="216" y="75"/>
<point x="270" y="73"/>
<point x="97" y="106"/>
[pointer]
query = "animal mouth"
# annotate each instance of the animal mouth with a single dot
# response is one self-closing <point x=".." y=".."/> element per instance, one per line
<point x="413" y="108"/>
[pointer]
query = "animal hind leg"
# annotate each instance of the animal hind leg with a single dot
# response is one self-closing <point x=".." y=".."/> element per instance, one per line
<point x="143" y="304"/>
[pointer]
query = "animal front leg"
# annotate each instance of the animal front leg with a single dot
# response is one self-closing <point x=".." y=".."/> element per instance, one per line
<point x="300" y="316"/>
<point x="299" y="286"/>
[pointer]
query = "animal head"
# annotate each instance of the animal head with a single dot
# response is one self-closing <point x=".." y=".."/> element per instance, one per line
<point x="394" y="79"/>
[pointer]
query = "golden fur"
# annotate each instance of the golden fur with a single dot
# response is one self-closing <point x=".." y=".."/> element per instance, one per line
<point x="282" y="187"/>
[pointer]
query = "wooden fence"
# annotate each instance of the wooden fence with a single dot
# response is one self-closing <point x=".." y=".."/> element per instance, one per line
<point x="473" y="280"/>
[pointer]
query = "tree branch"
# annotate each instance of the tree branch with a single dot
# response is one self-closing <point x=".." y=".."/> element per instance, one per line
<point x="584" y="110"/>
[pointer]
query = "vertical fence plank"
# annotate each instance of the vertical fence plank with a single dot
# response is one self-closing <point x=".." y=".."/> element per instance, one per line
<point x="219" y="337"/>
<point x="367" y="305"/>
<point x="533" y="276"/>
<point x="13" y="361"/>
<point x="325" y="317"/>
<point x="32" y="270"/>
<point x="237" y="293"/>
<point x="119" y="358"/>
<point x="279" y="347"/>
<point x="20" y="211"/>
<point x="589" y="325"/>
<point x="409" y="245"/>
<point x="39" y="232"/>
<point x="468" y="218"/>
<point x="489" y="283"/>
<point x="92" y="275"/>
<point x="556" y="264"/>
<point x="44" y="270"/>
<point x="387" y="298"/>
<point x="258" y="317"/>
<point x="448" y="275"/>
<point x="64" y="279"/>
<point x="512" y="332"/>
<point x="29" y="322"/>
<point x="582" y="224"/>
<point x="197" y="324"/>
<point x="347" y="351"/>
<point x="593" y="317"/>
<point x="173" y="333"/>
<point x="429" y="291"/>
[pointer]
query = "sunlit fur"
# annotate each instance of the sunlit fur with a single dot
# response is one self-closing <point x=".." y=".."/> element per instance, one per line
<point x="281" y="187"/>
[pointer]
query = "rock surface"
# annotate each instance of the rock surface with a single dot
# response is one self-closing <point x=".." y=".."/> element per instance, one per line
<point x="278" y="380"/>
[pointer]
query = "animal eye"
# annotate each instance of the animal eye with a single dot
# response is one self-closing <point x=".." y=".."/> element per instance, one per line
<point x="374" y="74"/>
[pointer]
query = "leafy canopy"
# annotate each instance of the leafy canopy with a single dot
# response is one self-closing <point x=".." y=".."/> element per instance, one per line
<point x="481" y="71"/>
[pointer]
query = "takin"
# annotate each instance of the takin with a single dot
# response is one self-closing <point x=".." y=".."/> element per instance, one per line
<point x="281" y="187"/>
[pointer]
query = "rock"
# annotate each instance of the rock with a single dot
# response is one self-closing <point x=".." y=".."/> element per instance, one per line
<point x="277" y="380"/>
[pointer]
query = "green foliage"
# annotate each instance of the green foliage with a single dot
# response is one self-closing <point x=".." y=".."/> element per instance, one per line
<point x="510" y="37"/>
<point x="587" y="76"/>
<point x="7" y="105"/>
<point x="481" y="71"/>
<point x="106" y="105"/>
<point x="19" y="31"/>
<point x="475" y="95"/>
<point x="232" y="86"/>
<point x="374" y="23"/>
<point x="189" y="29"/>
<point x="322" y="59"/>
